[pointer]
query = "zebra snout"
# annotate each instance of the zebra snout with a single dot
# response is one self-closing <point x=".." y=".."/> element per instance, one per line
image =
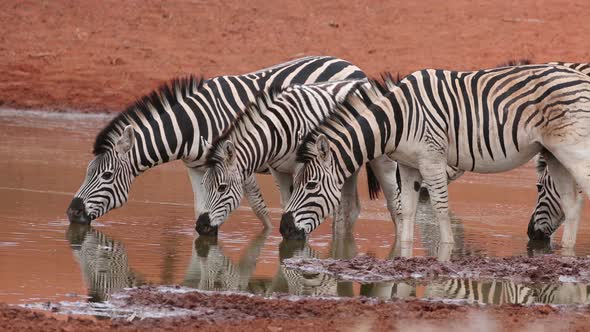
<point x="204" y="227"/>
<point x="77" y="212"/>
<point x="288" y="229"/>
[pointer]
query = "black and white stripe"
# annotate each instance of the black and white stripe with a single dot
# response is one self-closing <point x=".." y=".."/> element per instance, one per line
<point x="266" y="136"/>
<point x="484" y="121"/>
<point x="176" y="122"/>
<point x="549" y="213"/>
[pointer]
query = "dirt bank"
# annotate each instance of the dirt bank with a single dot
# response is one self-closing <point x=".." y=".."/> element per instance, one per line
<point x="100" y="55"/>
<point x="222" y="312"/>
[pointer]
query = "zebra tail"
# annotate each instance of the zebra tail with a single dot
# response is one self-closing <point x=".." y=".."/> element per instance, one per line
<point x="374" y="186"/>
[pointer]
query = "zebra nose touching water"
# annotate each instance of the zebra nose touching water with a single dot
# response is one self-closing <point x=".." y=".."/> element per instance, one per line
<point x="484" y="121"/>
<point x="176" y="122"/>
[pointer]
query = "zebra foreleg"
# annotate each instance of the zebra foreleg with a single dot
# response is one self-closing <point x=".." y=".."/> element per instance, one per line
<point x="385" y="171"/>
<point x="349" y="208"/>
<point x="254" y="195"/>
<point x="196" y="177"/>
<point x="285" y="183"/>
<point x="433" y="171"/>
<point x="409" y="180"/>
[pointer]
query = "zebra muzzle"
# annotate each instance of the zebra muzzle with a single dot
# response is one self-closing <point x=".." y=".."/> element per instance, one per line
<point x="204" y="227"/>
<point x="77" y="212"/>
<point x="536" y="234"/>
<point x="288" y="229"/>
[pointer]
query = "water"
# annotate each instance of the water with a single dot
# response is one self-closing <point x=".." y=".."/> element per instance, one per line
<point x="151" y="240"/>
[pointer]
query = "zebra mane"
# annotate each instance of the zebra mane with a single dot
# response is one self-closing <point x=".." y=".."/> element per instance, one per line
<point x="161" y="99"/>
<point x="516" y="62"/>
<point x="363" y="97"/>
<point x="262" y="101"/>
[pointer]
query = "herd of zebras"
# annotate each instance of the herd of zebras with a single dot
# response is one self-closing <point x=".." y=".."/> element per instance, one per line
<point x="314" y="122"/>
<point x="106" y="270"/>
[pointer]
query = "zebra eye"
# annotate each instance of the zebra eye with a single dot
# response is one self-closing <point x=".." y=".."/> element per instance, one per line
<point x="311" y="185"/>
<point x="107" y="175"/>
<point x="222" y="188"/>
<point x="539" y="187"/>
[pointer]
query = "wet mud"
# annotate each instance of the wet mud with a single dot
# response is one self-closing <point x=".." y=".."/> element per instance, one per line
<point x="222" y="312"/>
<point x="546" y="268"/>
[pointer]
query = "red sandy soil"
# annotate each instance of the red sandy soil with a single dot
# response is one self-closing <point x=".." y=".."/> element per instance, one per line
<point x="221" y="312"/>
<point x="547" y="268"/>
<point x="101" y="55"/>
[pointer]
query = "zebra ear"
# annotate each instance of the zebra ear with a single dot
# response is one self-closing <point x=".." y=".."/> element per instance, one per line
<point x="126" y="141"/>
<point x="323" y="146"/>
<point x="229" y="151"/>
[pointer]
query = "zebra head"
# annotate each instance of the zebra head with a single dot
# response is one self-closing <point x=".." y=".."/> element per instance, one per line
<point x="548" y="214"/>
<point x="223" y="187"/>
<point x="108" y="178"/>
<point x="316" y="191"/>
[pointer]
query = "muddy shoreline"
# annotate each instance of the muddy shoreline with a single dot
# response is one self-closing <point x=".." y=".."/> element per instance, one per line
<point x="222" y="312"/>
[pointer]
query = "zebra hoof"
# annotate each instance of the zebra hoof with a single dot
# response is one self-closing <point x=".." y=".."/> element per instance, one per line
<point x="288" y="229"/>
<point x="204" y="226"/>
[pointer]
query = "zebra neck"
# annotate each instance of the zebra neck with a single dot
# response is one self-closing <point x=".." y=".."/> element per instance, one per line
<point x="155" y="146"/>
<point x="376" y="130"/>
<point x="255" y="145"/>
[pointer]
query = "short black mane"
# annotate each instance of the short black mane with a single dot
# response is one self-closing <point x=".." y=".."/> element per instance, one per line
<point x="167" y="94"/>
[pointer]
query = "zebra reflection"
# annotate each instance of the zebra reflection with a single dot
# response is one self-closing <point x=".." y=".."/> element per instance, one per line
<point x="298" y="282"/>
<point x="211" y="269"/>
<point x="103" y="262"/>
<point x="508" y="292"/>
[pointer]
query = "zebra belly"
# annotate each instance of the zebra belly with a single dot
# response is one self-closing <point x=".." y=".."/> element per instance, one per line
<point x="499" y="163"/>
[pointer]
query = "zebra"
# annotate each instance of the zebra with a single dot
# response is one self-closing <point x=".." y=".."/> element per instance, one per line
<point x="266" y="136"/>
<point x="548" y="213"/>
<point x="177" y="121"/>
<point x="103" y="261"/>
<point x="483" y="121"/>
